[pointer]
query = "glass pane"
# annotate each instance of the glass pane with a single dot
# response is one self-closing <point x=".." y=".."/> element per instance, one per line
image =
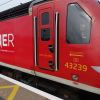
<point x="78" y="25"/>
<point x="45" y="18"/>
<point x="45" y="34"/>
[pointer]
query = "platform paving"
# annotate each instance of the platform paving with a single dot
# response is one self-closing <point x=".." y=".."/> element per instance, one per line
<point x="10" y="91"/>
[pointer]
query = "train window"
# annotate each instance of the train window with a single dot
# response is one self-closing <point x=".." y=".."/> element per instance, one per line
<point x="78" y="25"/>
<point x="45" y="18"/>
<point x="45" y="34"/>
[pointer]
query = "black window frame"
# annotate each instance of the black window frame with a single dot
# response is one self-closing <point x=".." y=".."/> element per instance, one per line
<point x="67" y="24"/>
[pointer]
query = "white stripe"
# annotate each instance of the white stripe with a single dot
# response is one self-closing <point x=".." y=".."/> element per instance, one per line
<point x="56" y="79"/>
<point x="16" y="68"/>
<point x="96" y="68"/>
<point x="70" y="83"/>
<point x="39" y="92"/>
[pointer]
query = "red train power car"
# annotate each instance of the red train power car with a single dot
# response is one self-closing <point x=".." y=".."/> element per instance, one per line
<point x="57" y="40"/>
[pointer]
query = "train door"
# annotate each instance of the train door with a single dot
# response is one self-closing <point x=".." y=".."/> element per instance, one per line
<point x="45" y="37"/>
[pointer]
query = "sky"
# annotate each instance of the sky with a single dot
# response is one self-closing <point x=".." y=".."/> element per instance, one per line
<point x="6" y="4"/>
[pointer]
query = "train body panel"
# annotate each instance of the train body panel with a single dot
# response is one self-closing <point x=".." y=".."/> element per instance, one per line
<point x="60" y="40"/>
<point x="20" y="50"/>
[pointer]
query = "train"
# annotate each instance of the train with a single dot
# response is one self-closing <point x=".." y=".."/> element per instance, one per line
<point x="57" y="40"/>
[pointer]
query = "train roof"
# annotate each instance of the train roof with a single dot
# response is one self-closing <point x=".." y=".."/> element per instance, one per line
<point x="15" y="11"/>
<point x="20" y="10"/>
<point x="23" y="9"/>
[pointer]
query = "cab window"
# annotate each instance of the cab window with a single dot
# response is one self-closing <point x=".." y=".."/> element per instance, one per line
<point x="78" y="25"/>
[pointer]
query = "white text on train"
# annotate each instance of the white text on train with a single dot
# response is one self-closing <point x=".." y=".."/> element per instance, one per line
<point x="6" y="40"/>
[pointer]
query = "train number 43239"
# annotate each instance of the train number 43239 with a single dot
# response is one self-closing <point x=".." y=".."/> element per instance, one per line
<point x="75" y="66"/>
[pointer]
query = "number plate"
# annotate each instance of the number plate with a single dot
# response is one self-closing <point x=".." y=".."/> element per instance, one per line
<point x="75" y="66"/>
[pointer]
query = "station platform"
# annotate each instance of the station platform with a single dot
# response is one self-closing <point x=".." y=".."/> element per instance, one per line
<point x="11" y="89"/>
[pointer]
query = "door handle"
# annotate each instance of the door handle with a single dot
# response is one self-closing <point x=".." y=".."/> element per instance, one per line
<point x="51" y="64"/>
<point x="51" y="48"/>
<point x="56" y="40"/>
<point x="35" y="40"/>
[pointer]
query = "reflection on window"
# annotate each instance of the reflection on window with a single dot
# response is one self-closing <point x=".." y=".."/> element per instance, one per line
<point x="78" y="25"/>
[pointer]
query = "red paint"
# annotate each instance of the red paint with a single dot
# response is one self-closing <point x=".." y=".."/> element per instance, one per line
<point x="22" y="54"/>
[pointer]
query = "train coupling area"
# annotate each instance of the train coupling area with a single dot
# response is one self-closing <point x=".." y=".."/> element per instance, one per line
<point x="11" y="89"/>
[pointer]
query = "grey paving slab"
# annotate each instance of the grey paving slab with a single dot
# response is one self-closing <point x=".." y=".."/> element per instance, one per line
<point x="9" y="90"/>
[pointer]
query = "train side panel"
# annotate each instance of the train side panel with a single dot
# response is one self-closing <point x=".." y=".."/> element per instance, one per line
<point x="77" y="63"/>
<point x="75" y="59"/>
<point x="7" y="50"/>
<point x="20" y="51"/>
<point x="24" y="42"/>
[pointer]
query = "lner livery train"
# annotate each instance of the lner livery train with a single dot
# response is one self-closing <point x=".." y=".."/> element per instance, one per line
<point x="56" y="40"/>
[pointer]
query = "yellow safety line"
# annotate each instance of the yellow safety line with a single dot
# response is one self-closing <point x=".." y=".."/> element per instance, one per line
<point x="5" y="87"/>
<point x="13" y="93"/>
